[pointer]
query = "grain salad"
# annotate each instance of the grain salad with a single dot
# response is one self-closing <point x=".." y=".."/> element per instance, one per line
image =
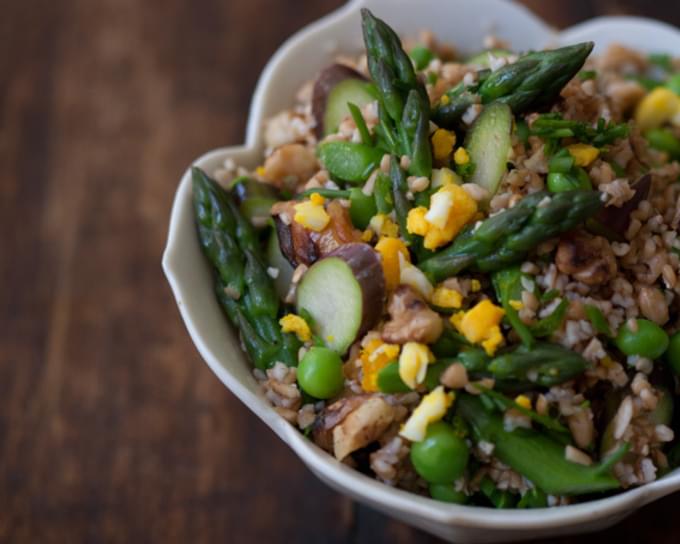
<point x="459" y="275"/>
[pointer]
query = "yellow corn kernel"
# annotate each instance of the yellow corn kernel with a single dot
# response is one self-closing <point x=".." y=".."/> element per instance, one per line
<point x="432" y="408"/>
<point x="374" y="357"/>
<point x="442" y="143"/>
<point x="516" y="304"/>
<point x="523" y="401"/>
<point x="311" y="216"/>
<point x="415" y="222"/>
<point x="294" y="323"/>
<point x="390" y="249"/>
<point x="475" y="285"/>
<point x="583" y="154"/>
<point x="656" y="108"/>
<point x="480" y="325"/>
<point x="446" y="298"/>
<point x="461" y="156"/>
<point x="316" y="198"/>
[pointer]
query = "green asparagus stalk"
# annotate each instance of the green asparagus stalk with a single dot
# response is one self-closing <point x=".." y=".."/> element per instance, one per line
<point x="506" y="238"/>
<point x="508" y="286"/>
<point x="543" y="364"/>
<point x="244" y="289"/>
<point x="404" y="107"/>
<point x="536" y="456"/>
<point x="534" y="81"/>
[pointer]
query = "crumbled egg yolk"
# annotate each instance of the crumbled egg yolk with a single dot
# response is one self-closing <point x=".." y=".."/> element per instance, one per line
<point x="414" y="276"/>
<point x="583" y="154"/>
<point x="523" y="401"/>
<point x="374" y="357"/>
<point x="367" y="235"/>
<point x="475" y="285"/>
<point x="480" y="325"/>
<point x="444" y="100"/>
<point x="389" y="250"/>
<point x="442" y="143"/>
<point x="311" y="213"/>
<point x="383" y="225"/>
<point x="294" y="323"/>
<point x="259" y="171"/>
<point x="656" y="108"/>
<point x="444" y="176"/>
<point x="413" y="363"/>
<point x="461" y="156"/>
<point x="432" y="408"/>
<point x="516" y="304"/>
<point x="451" y="208"/>
<point x="445" y="297"/>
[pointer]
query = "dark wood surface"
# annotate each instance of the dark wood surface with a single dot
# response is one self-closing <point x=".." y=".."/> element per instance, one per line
<point x="111" y="427"/>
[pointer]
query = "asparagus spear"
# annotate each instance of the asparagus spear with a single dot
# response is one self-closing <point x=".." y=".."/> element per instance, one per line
<point x="244" y="289"/>
<point x="534" y="81"/>
<point x="536" y="456"/>
<point x="404" y="107"/>
<point x="508" y="286"/>
<point x="506" y="238"/>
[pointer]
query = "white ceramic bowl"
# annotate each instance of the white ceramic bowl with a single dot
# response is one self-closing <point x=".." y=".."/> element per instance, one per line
<point x="463" y="23"/>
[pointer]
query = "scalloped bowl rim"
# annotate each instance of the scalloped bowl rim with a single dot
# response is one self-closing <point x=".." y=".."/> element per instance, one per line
<point x="321" y="463"/>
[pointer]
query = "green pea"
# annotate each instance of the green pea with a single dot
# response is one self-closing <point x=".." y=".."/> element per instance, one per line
<point x="649" y="340"/>
<point x="320" y="373"/>
<point x="562" y="162"/>
<point x="442" y="456"/>
<point x="361" y="208"/>
<point x="446" y="493"/>
<point x="559" y="182"/>
<point x="422" y="56"/>
<point x="349" y="161"/>
<point x="673" y="353"/>
<point x="389" y="380"/>
<point x="664" y="140"/>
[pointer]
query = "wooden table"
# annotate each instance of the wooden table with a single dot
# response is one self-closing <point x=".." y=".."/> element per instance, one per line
<point x="111" y="427"/>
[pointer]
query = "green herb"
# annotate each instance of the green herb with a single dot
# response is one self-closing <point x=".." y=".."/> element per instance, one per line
<point x="598" y="320"/>
<point x="587" y="74"/>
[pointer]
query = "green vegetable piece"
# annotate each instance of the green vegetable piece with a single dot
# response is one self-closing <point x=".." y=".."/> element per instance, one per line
<point x="543" y="328"/>
<point x="276" y="260"/>
<point x="326" y="193"/>
<point x="434" y="373"/>
<point x="536" y="456"/>
<point x="523" y="132"/>
<point x="534" y="81"/>
<point x="552" y="126"/>
<point x="422" y="56"/>
<point x="499" y="498"/>
<point x="389" y="380"/>
<point x="587" y="74"/>
<point x="483" y="58"/>
<point x="673" y="83"/>
<point x="255" y="198"/>
<point x="649" y="340"/>
<point x="442" y="456"/>
<point x="449" y="343"/>
<point x="533" y="498"/>
<point x="559" y="182"/>
<point x="382" y="193"/>
<point x="505" y="238"/>
<point x="662" y="60"/>
<point x="664" y="140"/>
<point x="361" y="208"/>
<point x="349" y="161"/>
<point x="447" y="493"/>
<point x="320" y="373"/>
<point x="488" y="143"/>
<point x="598" y="320"/>
<point x="360" y="122"/>
<point x="673" y="353"/>
<point x="508" y="286"/>
<point x="544" y="364"/>
<point x="350" y="90"/>
<point x="562" y="162"/>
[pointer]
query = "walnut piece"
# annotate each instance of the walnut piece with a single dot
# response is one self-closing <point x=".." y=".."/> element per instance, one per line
<point x="589" y="259"/>
<point x="411" y="319"/>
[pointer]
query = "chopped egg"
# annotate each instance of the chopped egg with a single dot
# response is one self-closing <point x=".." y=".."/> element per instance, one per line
<point x="413" y="276"/>
<point x="475" y="285"/>
<point x="659" y="106"/>
<point x="516" y="304"/>
<point x="523" y="401"/>
<point x="413" y="363"/>
<point x="445" y="297"/>
<point x="481" y="325"/>
<point x="444" y="176"/>
<point x="442" y="143"/>
<point x="583" y="154"/>
<point x="367" y="235"/>
<point x="375" y="356"/>
<point x="383" y="225"/>
<point x="389" y="250"/>
<point x="451" y="208"/>
<point x="311" y="213"/>
<point x="294" y="323"/>
<point x="461" y="156"/>
<point x="431" y="409"/>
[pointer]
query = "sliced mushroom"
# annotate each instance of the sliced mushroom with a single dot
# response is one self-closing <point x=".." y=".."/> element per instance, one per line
<point x="411" y="319"/>
<point x="588" y="259"/>
<point x="352" y="423"/>
<point x="303" y="246"/>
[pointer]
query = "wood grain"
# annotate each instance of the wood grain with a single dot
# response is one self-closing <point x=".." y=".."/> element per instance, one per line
<point x="111" y="428"/>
